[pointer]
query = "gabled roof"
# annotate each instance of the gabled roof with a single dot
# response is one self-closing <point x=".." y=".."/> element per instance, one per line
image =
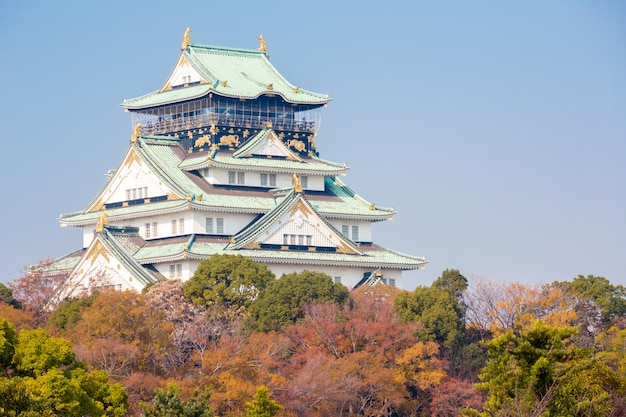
<point x="112" y="249"/>
<point x="263" y="151"/>
<point x="228" y="72"/>
<point x="293" y="207"/>
<point x="166" y="160"/>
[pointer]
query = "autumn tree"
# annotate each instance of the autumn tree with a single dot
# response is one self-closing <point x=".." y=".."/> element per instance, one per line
<point x="36" y="288"/>
<point x="229" y="281"/>
<point x="282" y="303"/>
<point x="493" y="308"/>
<point x="343" y="360"/>
<point x="120" y="333"/>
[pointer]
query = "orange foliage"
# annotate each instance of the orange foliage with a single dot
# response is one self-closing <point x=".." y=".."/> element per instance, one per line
<point x="22" y="320"/>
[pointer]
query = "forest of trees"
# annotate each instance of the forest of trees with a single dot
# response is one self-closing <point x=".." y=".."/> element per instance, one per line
<point x="236" y="341"/>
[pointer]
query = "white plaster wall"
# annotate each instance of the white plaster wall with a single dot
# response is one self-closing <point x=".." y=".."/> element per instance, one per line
<point x="233" y="222"/>
<point x="365" y="228"/>
<point x="253" y="179"/>
<point x="349" y="276"/>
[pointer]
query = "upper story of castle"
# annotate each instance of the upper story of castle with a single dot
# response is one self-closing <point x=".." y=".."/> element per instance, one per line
<point x="215" y="91"/>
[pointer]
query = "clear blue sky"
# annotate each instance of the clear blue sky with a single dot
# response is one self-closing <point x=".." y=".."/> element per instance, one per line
<point x="497" y="130"/>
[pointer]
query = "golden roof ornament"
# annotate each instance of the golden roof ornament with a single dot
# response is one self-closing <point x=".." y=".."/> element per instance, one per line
<point x="102" y="221"/>
<point x="136" y="132"/>
<point x="297" y="185"/>
<point x="186" y="40"/>
<point x="262" y="46"/>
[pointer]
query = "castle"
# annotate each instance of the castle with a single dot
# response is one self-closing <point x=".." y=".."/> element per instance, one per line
<point x="223" y="159"/>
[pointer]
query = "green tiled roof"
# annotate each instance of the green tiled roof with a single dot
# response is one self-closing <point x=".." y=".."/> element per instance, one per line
<point x="203" y="247"/>
<point x="123" y="248"/>
<point x="230" y="72"/>
<point x="163" y="156"/>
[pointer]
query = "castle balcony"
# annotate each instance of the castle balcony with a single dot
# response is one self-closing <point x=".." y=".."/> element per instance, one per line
<point x="225" y="112"/>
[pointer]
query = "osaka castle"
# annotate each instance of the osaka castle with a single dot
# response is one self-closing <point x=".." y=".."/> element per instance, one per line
<point x="224" y="158"/>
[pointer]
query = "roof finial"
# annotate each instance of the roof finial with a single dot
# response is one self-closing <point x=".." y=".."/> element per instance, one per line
<point x="186" y="40"/>
<point x="102" y="221"/>
<point x="263" y="46"/>
<point x="297" y="185"/>
<point x="136" y="132"/>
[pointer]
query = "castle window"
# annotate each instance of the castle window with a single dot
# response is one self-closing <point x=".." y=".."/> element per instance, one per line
<point x="209" y="225"/>
<point x="355" y="233"/>
<point x="176" y="271"/>
<point x="181" y="226"/>
<point x="304" y="181"/>
<point x="128" y="194"/>
<point x="174" y="226"/>
<point x="155" y="230"/>
<point x="147" y="232"/>
<point x="337" y="280"/>
<point x="241" y="178"/>
<point x="391" y="282"/>
<point x="345" y="230"/>
<point x="232" y="177"/>
<point x="220" y="226"/>
<point x="270" y="177"/>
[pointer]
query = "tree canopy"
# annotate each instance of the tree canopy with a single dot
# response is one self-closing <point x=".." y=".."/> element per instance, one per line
<point x="227" y="280"/>
<point x="283" y="301"/>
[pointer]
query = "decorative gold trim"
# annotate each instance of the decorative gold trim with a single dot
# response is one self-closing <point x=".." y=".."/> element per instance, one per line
<point x="136" y="132"/>
<point x="186" y="40"/>
<point x="98" y="249"/>
<point x="262" y="44"/>
<point x="102" y="221"/>
<point x="297" y="186"/>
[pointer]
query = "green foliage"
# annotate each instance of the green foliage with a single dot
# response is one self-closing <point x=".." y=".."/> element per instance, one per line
<point x="8" y="340"/>
<point x="283" y="301"/>
<point x="437" y="310"/>
<point x="167" y="403"/>
<point x="611" y="299"/>
<point x="6" y="296"/>
<point x="68" y="312"/>
<point x="227" y="280"/>
<point x="37" y="352"/>
<point x="451" y="281"/>
<point x="47" y="381"/>
<point x="262" y="405"/>
<point x="540" y="371"/>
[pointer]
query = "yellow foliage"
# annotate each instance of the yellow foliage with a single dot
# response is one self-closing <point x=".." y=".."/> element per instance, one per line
<point x="419" y="364"/>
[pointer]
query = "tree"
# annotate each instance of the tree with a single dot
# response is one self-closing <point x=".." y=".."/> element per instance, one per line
<point x="6" y="296"/>
<point x="36" y="288"/>
<point x="541" y="371"/>
<point x="493" y="308"/>
<point x="598" y="302"/>
<point x="44" y="379"/>
<point x="121" y="333"/>
<point x="8" y="340"/>
<point x="229" y="281"/>
<point x="167" y="403"/>
<point x="67" y="313"/>
<point x="451" y="281"/>
<point x="438" y="311"/>
<point x="282" y="303"/>
<point x="262" y="405"/>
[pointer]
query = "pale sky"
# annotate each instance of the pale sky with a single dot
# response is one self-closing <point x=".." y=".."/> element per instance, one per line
<point x="497" y="130"/>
